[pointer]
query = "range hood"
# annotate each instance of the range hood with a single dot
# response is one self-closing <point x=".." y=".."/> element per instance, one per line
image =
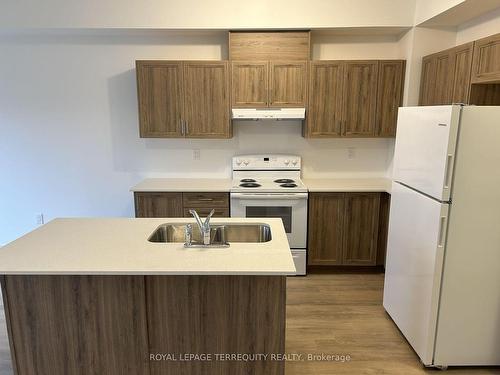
<point x="269" y="113"/>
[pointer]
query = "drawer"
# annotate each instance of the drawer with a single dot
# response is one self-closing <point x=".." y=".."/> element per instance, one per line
<point x="204" y="211"/>
<point x="211" y="200"/>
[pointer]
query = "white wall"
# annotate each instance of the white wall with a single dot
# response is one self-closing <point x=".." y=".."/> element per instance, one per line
<point x="222" y="14"/>
<point x="69" y="140"/>
<point x="478" y="28"/>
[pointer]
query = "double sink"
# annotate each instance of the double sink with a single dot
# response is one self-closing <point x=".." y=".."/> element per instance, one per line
<point x="220" y="234"/>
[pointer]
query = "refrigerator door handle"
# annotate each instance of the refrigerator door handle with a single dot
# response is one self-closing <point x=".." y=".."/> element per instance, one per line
<point x="447" y="173"/>
<point x="442" y="229"/>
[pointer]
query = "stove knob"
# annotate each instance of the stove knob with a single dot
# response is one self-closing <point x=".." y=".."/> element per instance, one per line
<point x="238" y="161"/>
<point x="287" y="162"/>
<point x="294" y="162"/>
<point x="246" y="162"/>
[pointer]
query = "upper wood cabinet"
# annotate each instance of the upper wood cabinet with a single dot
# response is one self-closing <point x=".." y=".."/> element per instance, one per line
<point x="183" y="99"/>
<point x="287" y="83"/>
<point x="486" y="64"/>
<point x="250" y="83"/>
<point x="206" y="103"/>
<point x="445" y="77"/>
<point x="343" y="228"/>
<point x="326" y="85"/>
<point x="389" y="96"/>
<point x="159" y="91"/>
<point x="260" y="84"/>
<point x="358" y="98"/>
<point x="269" y="45"/>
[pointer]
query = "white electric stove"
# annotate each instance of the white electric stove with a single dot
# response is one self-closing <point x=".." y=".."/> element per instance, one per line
<point x="270" y="186"/>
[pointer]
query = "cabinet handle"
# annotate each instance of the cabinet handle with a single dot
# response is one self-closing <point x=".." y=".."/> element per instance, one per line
<point x="186" y="124"/>
<point x="183" y="132"/>
<point x="206" y="199"/>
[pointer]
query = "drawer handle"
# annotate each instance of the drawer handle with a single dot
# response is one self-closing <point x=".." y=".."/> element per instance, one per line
<point x="205" y="199"/>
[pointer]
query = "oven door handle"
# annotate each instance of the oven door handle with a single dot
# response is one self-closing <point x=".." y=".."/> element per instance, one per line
<point x="264" y="196"/>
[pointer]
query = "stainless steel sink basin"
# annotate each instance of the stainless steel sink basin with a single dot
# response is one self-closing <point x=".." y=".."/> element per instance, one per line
<point x="220" y="234"/>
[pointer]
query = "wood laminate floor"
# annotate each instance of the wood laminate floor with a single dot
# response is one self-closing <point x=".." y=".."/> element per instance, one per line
<point x="333" y="314"/>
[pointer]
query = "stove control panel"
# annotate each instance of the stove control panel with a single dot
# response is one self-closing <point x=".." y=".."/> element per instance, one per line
<point x="266" y="162"/>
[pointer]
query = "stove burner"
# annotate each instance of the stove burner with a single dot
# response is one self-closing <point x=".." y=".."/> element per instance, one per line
<point x="288" y="185"/>
<point x="249" y="185"/>
<point x="248" y="180"/>
<point x="284" y="181"/>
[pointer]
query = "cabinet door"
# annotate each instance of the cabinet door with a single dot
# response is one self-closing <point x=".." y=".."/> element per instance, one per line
<point x="360" y="98"/>
<point x="206" y="99"/>
<point x="361" y="228"/>
<point x="486" y="63"/>
<point x="288" y="84"/>
<point x="462" y="66"/>
<point x="158" y="205"/>
<point x="249" y="83"/>
<point x="443" y="84"/>
<point x="389" y="96"/>
<point x="324" y="117"/>
<point x="326" y="228"/>
<point x="159" y="92"/>
<point x="427" y="81"/>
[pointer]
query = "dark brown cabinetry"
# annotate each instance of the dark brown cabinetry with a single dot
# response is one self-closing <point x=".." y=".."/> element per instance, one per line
<point x="260" y="84"/>
<point x="354" y="98"/>
<point x="183" y="99"/>
<point x="148" y="204"/>
<point x="344" y="229"/>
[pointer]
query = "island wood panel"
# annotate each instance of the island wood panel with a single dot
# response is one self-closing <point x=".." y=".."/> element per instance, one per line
<point x="78" y="325"/>
<point x="206" y="99"/>
<point x="389" y="96"/>
<point x="326" y="81"/>
<point x="326" y="228"/>
<point x="159" y="92"/>
<point x="486" y="61"/>
<point x="249" y="83"/>
<point x="269" y="45"/>
<point x="462" y="67"/>
<point x="216" y="314"/>
<point x="361" y="229"/>
<point x="360" y="98"/>
<point x="288" y="83"/>
<point x="158" y="204"/>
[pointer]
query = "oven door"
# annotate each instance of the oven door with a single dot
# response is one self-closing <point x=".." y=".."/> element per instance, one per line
<point x="290" y="207"/>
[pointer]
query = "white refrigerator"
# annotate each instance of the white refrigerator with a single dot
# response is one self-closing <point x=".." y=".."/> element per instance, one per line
<point x="442" y="281"/>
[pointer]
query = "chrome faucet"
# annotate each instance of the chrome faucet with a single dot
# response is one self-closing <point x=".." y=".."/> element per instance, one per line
<point x="204" y="226"/>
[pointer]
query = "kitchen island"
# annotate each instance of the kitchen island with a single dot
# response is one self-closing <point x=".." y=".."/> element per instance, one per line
<point x="94" y="296"/>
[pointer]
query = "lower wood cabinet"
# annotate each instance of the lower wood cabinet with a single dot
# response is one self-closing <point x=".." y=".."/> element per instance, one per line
<point x="344" y="229"/>
<point x="164" y="204"/>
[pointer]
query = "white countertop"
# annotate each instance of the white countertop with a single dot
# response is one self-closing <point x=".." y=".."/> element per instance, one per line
<point x="224" y="185"/>
<point x="326" y="185"/>
<point x="184" y="185"/>
<point x="109" y="246"/>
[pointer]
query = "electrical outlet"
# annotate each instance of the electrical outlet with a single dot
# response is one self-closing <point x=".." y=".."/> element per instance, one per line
<point x="39" y="219"/>
<point x="351" y="153"/>
<point x="196" y="155"/>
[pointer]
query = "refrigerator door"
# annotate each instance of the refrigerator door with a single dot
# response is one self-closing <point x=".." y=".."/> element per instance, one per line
<point x="425" y="148"/>
<point x="415" y="248"/>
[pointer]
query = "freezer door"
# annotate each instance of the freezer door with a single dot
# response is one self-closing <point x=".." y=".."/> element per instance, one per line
<point x="415" y="248"/>
<point x="425" y="148"/>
